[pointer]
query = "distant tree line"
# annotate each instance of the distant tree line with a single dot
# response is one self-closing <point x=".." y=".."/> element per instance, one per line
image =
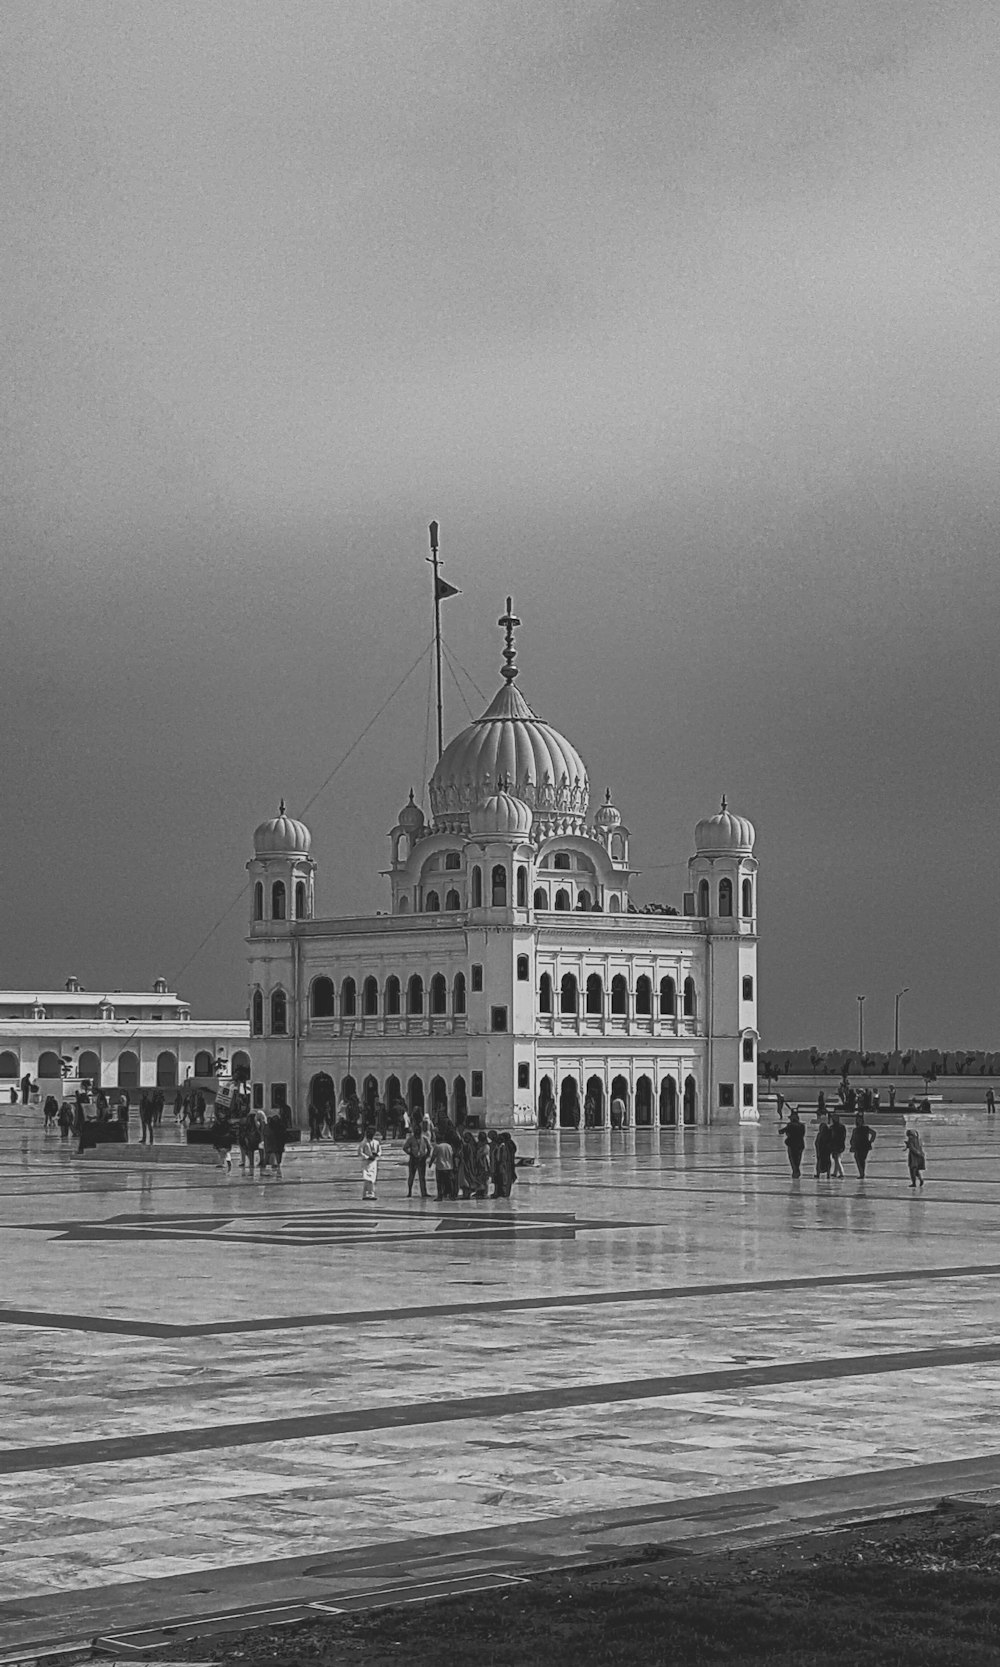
<point x="775" y="1063"/>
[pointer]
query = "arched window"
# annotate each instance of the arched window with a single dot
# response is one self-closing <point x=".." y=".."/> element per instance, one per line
<point x="369" y="997"/>
<point x="561" y="859"/>
<point x="562" y="898"/>
<point x="241" y="1066"/>
<point x="258" y="900"/>
<point x="568" y="993"/>
<point x="10" y="1065"/>
<point x="432" y="903"/>
<point x="748" y="898"/>
<point x="522" y="888"/>
<point x="499" y="886"/>
<point x="300" y="900"/>
<point x="128" y="1070"/>
<point x="668" y="998"/>
<point x="689" y="998"/>
<point x="584" y="901"/>
<point x="415" y="994"/>
<point x="614" y="903"/>
<point x="545" y="993"/>
<point x="644" y="996"/>
<point x="458" y="994"/>
<point x="453" y="859"/>
<point x="278" y="900"/>
<point x="477" y="888"/>
<point x="725" y="897"/>
<point x="439" y="993"/>
<point x="703" y="897"/>
<point x="595" y="993"/>
<point x="257" y="1014"/>
<point x="453" y="901"/>
<point x="279" y="1013"/>
<point x="166" y="1070"/>
<point x="619" y="994"/>
<point x="348" y="998"/>
<point x="404" y="905"/>
<point x="690" y="1100"/>
<point x="202" y="1063"/>
<point x="541" y="901"/>
<point x="88" y="1066"/>
<point x="392" y="994"/>
<point x="321" y="998"/>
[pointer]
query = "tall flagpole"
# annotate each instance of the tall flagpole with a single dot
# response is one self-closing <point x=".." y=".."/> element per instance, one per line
<point x="437" y="631"/>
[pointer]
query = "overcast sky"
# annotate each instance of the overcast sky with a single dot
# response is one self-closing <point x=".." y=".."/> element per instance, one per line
<point x="683" y="318"/>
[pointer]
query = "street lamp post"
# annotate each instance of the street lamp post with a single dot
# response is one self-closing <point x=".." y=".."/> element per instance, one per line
<point x="895" y="1033"/>
<point x="861" y="1027"/>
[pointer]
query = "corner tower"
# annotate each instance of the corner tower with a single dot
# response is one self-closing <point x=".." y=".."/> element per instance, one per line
<point x="723" y="885"/>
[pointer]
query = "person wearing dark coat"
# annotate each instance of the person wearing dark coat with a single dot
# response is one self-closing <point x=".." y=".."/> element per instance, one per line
<point x="862" y="1141"/>
<point x="794" y="1133"/>
<point x="839" y="1141"/>
<point x="824" y="1147"/>
<point x="504" y="1165"/>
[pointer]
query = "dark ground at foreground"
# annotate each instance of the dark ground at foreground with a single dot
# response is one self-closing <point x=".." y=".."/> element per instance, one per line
<point x="903" y="1592"/>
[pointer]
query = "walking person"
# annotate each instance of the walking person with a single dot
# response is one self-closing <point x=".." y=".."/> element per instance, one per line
<point x="824" y="1148"/>
<point x="794" y="1133"/>
<point x="418" y="1149"/>
<point x="838" y="1143"/>
<point x="369" y="1152"/>
<point x="50" y="1111"/>
<point x="504" y="1165"/>
<point x="991" y="1102"/>
<point x="862" y="1141"/>
<point x="915" y="1159"/>
<point x="442" y="1160"/>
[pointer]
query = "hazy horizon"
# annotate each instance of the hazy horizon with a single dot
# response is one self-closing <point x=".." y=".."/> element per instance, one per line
<point x="685" y="325"/>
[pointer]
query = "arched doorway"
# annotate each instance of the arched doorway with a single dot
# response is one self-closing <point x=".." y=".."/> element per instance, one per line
<point x="620" y="1091"/>
<point x="415" y="1097"/>
<point x="690" y="1100"/>
<point x="595" y="1094"/>
<point x="644" y="1103"/>
<point x="89" y="1066"/>
<point x="569" y="1104"/>
<point x="203" y="1063"/>
<point x="668" y="1102"/>
<point x="369" y="1093"/>
<point x="348" y="1088"/>
<point x="460" y="1101"/>
<point x="241" y="1066"/>
<point x="50" y="1065"/>
<point x="546" y="1104"/>
<point x="166" y="1070"/>
<point x="393" y="1101"/>
<point x="128" y="1069"/>
<point x="10" y="1065"/>
<point x="323" y="1095"/>
<point x="439" y="1097"/>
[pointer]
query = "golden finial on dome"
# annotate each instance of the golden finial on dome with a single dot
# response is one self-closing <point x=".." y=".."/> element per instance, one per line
<point x="723" y="804"/>
<point x="508" y="671"/>
<point x="281" y="808"/>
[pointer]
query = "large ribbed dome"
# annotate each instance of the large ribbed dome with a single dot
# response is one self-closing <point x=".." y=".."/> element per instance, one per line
<point x="510" y="748"/>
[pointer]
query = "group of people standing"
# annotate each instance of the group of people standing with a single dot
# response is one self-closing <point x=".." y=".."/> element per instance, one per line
<point x="831" y="1141"/>
<point x="466" y="1163"/>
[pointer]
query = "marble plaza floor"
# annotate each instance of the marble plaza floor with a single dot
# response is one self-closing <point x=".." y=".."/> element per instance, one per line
<point x="220" y="1394"/>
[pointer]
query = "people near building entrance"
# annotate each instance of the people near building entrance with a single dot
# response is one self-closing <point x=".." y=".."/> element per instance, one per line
<point x="617" y="1112"/>
<point x="315" y="1119"/>
<point x="504" y="1165"/>
<point x="547" y="1113"/>
<point x="794" y="1134"/>
<point x="274" y="1139"/>
<point x="146" y="1121"/>
<point x="66" y="1119"/>
<point x="442" y="1161"/>
<point x="589" y="1112"/>
<point x="915" y="1159"/>
<point x="824" y="1146"/>
<point x="50" y="1111"/>
<point x="418" y="1149"/>
<point x="223" y="1135"/>
<point x="838" y="1143"/>
<point x="369" y="1152"/>
<point x="466" y="1165"/>
<point x="25" y="1088"/>
<point x="483" y="1160"/>
<point x="862" y="1141"/>
<point x="123" y="1110"/>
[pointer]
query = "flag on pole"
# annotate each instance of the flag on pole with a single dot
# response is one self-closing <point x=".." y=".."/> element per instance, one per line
<point x="442" y="589"/>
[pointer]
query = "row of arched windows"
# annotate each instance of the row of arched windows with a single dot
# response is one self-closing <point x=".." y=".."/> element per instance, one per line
<point x="368" y="1001"/>
<point x="498" y="895"/>
<point x="88" y="1066"/>
<point x="279" y="901"/>
<point x="593" y="1004"/>
<point x="725" y="898"/>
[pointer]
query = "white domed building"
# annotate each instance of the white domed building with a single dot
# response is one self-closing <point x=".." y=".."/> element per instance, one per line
<point x="512" y="978"/>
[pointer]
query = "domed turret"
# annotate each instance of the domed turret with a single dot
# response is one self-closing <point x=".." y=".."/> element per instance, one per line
<point x="609" y="816"/>
<point x="282" y="836"/>
<point x="411" y="818"/>
<point x="501" y="816"/>
<point x="512" y="744"/>
<point x="724" y="834"/>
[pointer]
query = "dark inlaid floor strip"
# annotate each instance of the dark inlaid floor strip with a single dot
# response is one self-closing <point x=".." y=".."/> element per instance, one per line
<point x="488" y="1305"/>
<point x="301" y="1427"/>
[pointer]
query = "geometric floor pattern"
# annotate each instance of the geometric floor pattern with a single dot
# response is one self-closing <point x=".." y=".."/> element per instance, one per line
<point x="222" y="1395"/>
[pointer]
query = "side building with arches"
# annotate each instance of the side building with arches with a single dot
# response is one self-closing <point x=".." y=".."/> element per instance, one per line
<point x="512" y="979"/>
<point x="114" y="1039"/>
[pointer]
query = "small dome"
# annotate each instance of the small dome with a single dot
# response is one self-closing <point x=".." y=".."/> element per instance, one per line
<point x="282" y="836"/>
<point x="501" y="815"/>
<point x="724" y="834"/>
<point x="609" y="816"/>
<point x="411" y="817"/>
